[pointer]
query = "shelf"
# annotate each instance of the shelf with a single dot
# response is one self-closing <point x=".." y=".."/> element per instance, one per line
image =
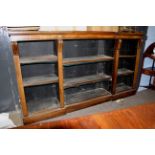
<point x="40" y="80"/>
<point x="85" y="95"/>
<point x="124" y="71"/>
<point x="127" y="56"/>
<point x="86" y="59"/>
<point x="42" y="105"/>
<point x="122" y="87"/>
<point x="73" y="82"/>
<point x="149" y="71"/>
<point x="38" y="59"/>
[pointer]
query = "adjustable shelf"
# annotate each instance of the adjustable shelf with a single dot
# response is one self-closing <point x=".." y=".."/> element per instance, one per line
<point x="124" y="71"/>
<point x="38" y="59"/>
<point x="86" y="59"/>
<point x="73" y="82"/>
<point x="40" y="80"/>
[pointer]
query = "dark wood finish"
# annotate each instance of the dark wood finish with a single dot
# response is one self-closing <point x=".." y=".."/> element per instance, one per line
<point x="74" y="82"/>
<point x="150" y="71"/>
<point x="88" y="59"/>
<point x="37" y="35"/>
<point x="115" y="68"/>
<point x="19" y="78"/>
<point x="136" y="117"/>
<point x="124" y="94"/>
<point x="40" y="80"/>
<point x="38" y="59"/>
<point x="44" y="115"/>
<point x="135" y="86"/>
<point x="82" y="102"/>
<point x="60" y="72"/>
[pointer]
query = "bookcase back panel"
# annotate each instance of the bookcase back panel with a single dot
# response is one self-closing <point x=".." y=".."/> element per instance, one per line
<point x="39" y="70"/>
<point x="88" y="69"/>
<point x="79" y="48"/>
<point x="129" y="47"/>
<point x="127" y="63"/>
<point x="128" y="80"/>
<point x="37" y="48"/>
<point x="42" y="97"/>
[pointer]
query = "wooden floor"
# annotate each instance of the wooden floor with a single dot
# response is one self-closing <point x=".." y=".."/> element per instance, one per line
<point x="137" y="117"/>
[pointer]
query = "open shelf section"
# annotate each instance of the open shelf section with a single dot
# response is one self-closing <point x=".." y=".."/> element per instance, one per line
<point x="124" y="71"/>
<point x="41" y="105"/>
<point x="86" y="95"/>
<point x="127" y="56"/>
<point x="86" y="59"/>
<point x="122" y="87"/>
<point x="40" y="80"/>
<point x="38" y="59"/>
<point x="73" y="82"/>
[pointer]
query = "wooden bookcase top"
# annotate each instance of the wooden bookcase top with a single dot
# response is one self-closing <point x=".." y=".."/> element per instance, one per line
<point x="44" y="35"/>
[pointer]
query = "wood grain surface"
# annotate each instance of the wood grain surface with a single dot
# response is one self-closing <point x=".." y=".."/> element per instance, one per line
<point x="137" y="117"/>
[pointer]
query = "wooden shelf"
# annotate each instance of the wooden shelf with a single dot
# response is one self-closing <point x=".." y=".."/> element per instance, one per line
<point x="122" y="87"/>
<point x="127" y="56"/>
<point x="73" y="82"/>
<point x="86" y="95"/>
<point x="41" y="105"/>
<point x="148" y="71"/>
<point x="124" y="71"/>
<point x="38" y="59"/>
<point x="40" y="80"/>
<point x="86" y="59"/>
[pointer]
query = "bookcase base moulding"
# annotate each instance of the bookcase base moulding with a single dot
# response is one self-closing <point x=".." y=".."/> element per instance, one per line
<point x="61" y="72"/>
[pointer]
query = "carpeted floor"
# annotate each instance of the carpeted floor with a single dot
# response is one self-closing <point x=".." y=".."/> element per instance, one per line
<point x="142" y="97"/>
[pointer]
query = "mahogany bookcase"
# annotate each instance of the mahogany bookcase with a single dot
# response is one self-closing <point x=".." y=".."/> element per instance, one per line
<point x="60" y="72"/>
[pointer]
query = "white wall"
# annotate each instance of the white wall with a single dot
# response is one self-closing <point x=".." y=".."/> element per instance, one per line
<point x="150" y="39"/>
<point x="63" y="28"/>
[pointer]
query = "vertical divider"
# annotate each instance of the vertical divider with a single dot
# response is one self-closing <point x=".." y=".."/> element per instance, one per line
<point x="116" y="63"/>
<point x="19" y="78"/>
<point x="60" y="71"/>
<point x="137" y="64"/>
